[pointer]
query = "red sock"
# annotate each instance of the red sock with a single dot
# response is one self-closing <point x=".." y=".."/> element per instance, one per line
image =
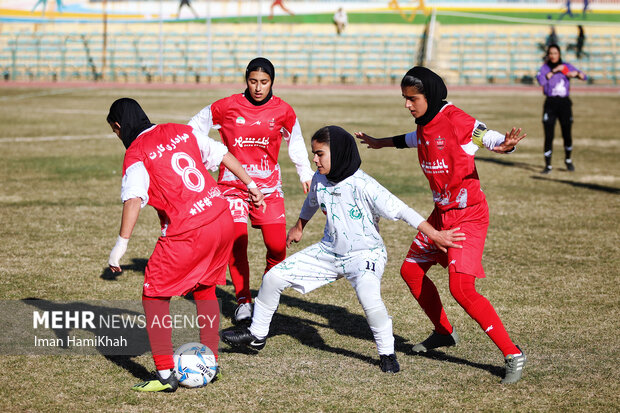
<point x="239" y="265"/>
<point x="426" y="293"/>
<point x="160" y="333"/>
<point x="208" y="311"/>
<point x="463" y="289"/>
<point x="274" y="236"/>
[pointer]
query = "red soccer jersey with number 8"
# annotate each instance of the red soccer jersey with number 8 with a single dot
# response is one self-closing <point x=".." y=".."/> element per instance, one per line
<point x="180" y="188"/>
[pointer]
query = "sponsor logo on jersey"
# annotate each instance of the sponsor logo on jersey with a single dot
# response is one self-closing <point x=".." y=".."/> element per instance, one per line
<point x="272" y="123"/>
<point x="438" y="166"/>
<point x="323" y="208"/>
<point x="441" y="142"/>
<point x="240" y="120"/>
<point x="257" y="123"/>
<point x="355" y="213"/>
<point x="249" y="141"/>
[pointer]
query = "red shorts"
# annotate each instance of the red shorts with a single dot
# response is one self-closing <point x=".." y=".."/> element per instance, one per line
<point x="473" y="221"/>
<point x="240" y="208"/>
<point x="180" y="262"/>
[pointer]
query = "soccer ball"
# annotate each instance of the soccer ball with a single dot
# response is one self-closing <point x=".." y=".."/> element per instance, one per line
<point x="194" y="365"/>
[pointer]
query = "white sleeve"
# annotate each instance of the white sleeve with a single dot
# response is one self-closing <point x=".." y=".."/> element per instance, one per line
<point x="203" y="121"/>
<point x="135" y="183"/>
<point x="211" y="150"/>
<point x="482" y="136"/>
<point x="389" y="205"/>
<point x="411" y="139"/>
<point x="311" y="204"/>
<point x="411" y="217"/>
<point x="297" y="152"/>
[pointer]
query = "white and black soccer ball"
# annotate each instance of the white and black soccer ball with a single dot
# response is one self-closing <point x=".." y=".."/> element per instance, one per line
<point x="194" y="365"/>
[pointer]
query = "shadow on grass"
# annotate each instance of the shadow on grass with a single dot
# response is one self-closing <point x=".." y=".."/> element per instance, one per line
<point x="530" y="167"/>
<point x="504" y="162"/>
<point x="594" y="187"/>
<point x="137" y="264"/>
<point x="304" y="330"/>
<point x="137" y="339"/>
<point x="441" y="356"/>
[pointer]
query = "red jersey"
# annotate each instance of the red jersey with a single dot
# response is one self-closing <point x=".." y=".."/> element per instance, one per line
<point x="179" y="186"/>
<point x="446" y="153"/>
<point x="253" y="134"/>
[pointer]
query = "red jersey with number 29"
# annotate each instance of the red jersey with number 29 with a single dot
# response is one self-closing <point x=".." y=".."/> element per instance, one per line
<point x="446" y="154"/>
<point x="179" y="186"/>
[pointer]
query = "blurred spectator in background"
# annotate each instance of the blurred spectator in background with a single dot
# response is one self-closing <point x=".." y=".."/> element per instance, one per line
<point x="44" y="2"/>
<point x="567" y="12"/>
<point x="282" y="6"/>
<point x="186" y="3"/>
<point x="578" y="47"/>
<point x="552" y="38"/>
<point x="586" y="3"/>
<point x="340" y="20"/>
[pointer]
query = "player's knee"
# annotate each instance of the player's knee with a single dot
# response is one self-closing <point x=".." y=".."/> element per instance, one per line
<point x="463" y="288"/>
<point x="273" y="282"/>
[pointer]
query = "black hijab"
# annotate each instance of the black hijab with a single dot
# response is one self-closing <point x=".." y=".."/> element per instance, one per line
<point x="548" y="62"/>
<point x="262" y="65"/>
<point x="345" y="158"/>
<point x="435" y="91"/>
<point x="128" y="113"/>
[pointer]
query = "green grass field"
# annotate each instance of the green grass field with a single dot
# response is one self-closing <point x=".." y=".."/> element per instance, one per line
<point x="445" y="16"/>
<point x="551" y="259"/>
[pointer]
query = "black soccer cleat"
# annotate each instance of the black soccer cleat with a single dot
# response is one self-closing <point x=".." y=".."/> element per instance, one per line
<point x="436" y="340"/>
<point x="388" y="363"/>
<point x="243" y="337"/>
<point x="547" y="170"/>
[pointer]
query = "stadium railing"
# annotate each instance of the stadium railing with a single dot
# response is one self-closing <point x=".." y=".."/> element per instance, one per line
<point x="378" y="57"/>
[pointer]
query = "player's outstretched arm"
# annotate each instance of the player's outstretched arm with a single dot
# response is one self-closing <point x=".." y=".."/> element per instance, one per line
<point x="374" y="143"/>
<point x="296" y="232"/>
<point x="512" y="138"/>
<point x="443" y="239"/>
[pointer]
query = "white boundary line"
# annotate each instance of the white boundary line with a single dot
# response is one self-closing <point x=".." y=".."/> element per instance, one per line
<point x="35" y="95"/>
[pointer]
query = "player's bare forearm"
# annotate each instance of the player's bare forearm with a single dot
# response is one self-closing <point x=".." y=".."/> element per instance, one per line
<point x="374" y="143"/>
<point x="131" y="212"/>
<point x="296" y="232"/>
<point x="513" y="137"/>
<point x="443" y="239"/>
<point x="234" y="166"/>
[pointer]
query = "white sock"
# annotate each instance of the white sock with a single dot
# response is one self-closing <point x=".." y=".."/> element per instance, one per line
<point x="164" y="374"/>
<point x="266" y="304"/>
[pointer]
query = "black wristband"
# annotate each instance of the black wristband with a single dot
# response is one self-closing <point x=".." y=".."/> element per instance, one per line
<point x="399" y="141"/>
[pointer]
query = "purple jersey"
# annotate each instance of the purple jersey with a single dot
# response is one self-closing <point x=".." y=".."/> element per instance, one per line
<point x="558" y="85"/>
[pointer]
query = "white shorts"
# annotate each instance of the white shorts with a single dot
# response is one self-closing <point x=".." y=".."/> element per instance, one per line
<point x="316" y="266"/>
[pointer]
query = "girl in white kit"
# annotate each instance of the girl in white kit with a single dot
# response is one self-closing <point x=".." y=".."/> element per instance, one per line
<point x="352" y="202"/>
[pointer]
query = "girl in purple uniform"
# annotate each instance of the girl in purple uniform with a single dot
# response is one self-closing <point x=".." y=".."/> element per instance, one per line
<point x="554" y="76"/>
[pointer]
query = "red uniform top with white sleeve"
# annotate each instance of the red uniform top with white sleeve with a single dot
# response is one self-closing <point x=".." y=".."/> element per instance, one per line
<point x="253" y="134"/>
<point x="166" y="166"/>
<point x="446" y="148"/>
